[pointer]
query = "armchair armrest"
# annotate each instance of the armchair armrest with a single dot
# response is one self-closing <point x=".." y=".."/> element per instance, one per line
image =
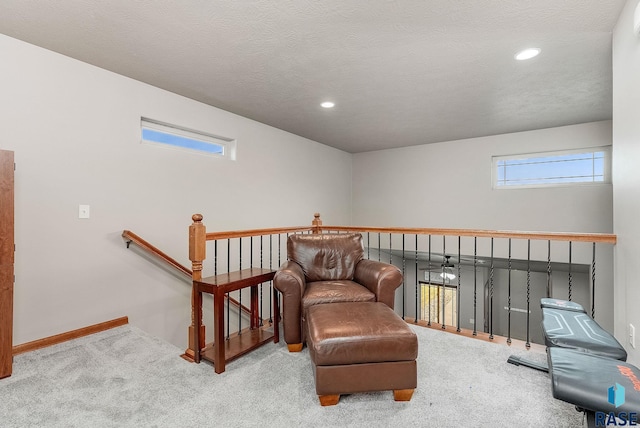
<point x="290" y="281"/>
<point x="381" y="278"/>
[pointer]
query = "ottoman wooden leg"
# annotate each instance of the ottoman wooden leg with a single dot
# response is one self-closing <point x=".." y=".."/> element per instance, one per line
<point x="294" y="347"/>
<point x="329" y="400"/>
<point x="402" y="394"/>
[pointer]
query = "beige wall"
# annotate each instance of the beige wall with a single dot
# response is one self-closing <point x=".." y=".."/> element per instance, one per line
<point x="626" y="177"/>
<point x="449" y="185"/>
<point x="75" y="132"/>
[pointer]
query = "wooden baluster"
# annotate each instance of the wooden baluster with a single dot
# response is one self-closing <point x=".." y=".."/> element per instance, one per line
<point x="197" y="254"/>
<point x="316" y="224"/>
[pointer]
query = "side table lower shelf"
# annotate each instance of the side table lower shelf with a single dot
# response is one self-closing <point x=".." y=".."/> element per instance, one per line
<point x="239" y="344"/>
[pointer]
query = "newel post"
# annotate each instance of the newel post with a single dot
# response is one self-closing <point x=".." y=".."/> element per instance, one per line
<point x="316" y="224"/>
<point x="197" y="254"/>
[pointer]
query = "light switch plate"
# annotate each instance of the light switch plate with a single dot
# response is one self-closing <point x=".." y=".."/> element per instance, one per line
<point x="83" y="211"/>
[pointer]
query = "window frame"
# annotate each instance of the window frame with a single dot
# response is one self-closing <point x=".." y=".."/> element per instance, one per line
<point x="586" y="150"/>
<point x="228" y="145"/>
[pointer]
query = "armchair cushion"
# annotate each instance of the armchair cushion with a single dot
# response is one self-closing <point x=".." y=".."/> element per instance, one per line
<point x="326" y="256"/>
<point x="320" y="292"/>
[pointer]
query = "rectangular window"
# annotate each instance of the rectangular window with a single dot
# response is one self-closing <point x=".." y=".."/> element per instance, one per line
<point x="166" y="135"/>
<point x="552" y="168"/>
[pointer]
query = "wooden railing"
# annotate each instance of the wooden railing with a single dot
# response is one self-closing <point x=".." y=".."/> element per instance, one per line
<point x="131" y="237"/>
<point x="499" y="274"/>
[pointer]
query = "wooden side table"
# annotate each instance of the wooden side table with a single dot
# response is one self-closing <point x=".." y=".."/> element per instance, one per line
<point x="221" y="350"/>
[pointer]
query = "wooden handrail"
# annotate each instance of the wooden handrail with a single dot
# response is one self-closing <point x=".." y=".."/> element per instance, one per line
<point x="317" y="227"/>
<point x="603" y="238"/>
<point x="132" y="237"/>
<point x="211" y="236"/>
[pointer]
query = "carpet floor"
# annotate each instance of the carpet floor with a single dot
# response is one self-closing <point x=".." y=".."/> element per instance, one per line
<point x="124" y="377"/>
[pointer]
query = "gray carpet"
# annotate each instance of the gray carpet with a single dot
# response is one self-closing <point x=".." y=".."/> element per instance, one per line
<point x="125" y="378"/>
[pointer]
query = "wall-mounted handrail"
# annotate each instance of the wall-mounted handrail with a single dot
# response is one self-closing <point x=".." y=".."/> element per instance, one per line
<point x="132" y="237"/>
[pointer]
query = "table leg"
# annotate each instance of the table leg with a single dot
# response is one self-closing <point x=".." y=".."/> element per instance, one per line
<point x="276" y="317"/>
<point x="255" y="313"/>
<point x="218" y="332"/>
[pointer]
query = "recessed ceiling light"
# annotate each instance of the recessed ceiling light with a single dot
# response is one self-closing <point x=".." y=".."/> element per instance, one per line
<point x="527" y="54"/>
<point x="327" y="104"/>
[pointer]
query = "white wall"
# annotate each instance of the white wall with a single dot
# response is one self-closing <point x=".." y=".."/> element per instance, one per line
<point x="75" y="132"/>
<point x="626" y="177"/>
<point x="449" y="185"/>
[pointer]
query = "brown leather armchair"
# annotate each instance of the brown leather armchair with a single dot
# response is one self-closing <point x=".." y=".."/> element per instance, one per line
<point x="329" y="268"/>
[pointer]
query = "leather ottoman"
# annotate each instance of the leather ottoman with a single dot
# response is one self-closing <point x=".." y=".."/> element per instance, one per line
<point x="360" y="347"/>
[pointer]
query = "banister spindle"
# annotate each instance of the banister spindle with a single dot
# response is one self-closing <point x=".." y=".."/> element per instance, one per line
<point x="227" y="323"/>
<point x="444" y="280"/>
<point x="593" y="283"/>
<point x="417" y="282"/>
<point x="271" y="283"/>
<point x="429" y="282"/>
<point x="509" y="298"/>
<point x="570" y="275"/>
<point x="491" y="294"/>
<point x="528" y="344"/>
<point x="549" y="268"/>
<point x="404" y="265"/>
<point x="316" y="224"/>
<point x="239" y="292"/>
<point x="458" y="288"/>
<point x="475" y="285"/>
<point x="261" y="266"/>
<point x="215" y="257"/>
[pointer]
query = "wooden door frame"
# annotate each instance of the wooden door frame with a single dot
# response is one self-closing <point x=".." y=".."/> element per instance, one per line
<point x="7" y="248"/>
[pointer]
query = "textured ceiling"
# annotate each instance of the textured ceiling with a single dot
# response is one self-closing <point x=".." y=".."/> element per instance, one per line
<point x="401" y="73"/>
